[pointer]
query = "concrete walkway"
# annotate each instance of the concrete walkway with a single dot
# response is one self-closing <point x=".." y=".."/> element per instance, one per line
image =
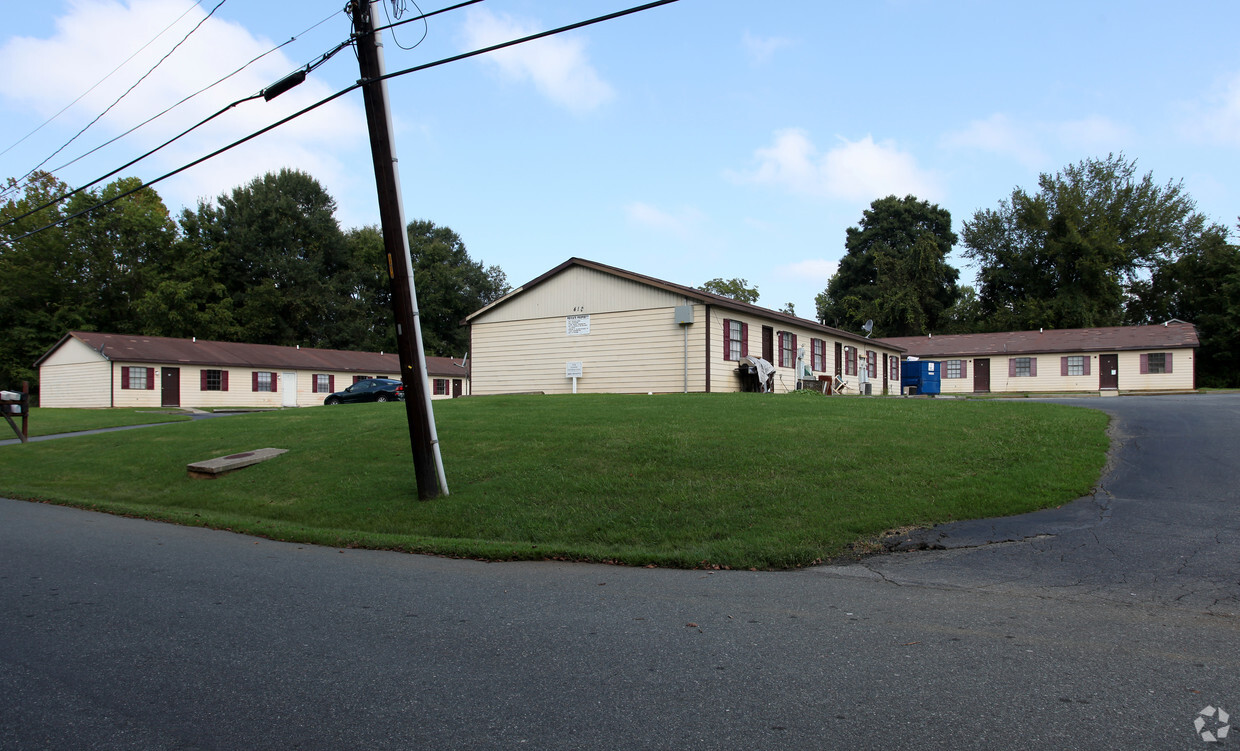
<point x="195" y="414"/>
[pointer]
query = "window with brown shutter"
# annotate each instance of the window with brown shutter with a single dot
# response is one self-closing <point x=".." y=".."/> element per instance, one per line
<point x="214" y="380"/>
<point x="735" y="339"/>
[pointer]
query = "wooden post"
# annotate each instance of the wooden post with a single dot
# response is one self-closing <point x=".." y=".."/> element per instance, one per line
<point x="428" y="465"/>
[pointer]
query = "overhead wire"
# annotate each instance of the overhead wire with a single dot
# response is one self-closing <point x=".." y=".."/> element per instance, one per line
<point x="127" y="91"/>
<point x="398" y="10"/>
<point x="309" y="67"/>
<point x="425" y="16"/>
<point x="346" y="90"/>
<point x="193" y="4"/>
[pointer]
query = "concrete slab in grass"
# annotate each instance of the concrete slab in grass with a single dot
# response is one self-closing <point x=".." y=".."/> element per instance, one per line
<point x="212" y="468"/>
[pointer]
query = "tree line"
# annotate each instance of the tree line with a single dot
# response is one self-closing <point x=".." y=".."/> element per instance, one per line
<point x="266" y="263"/>
<point x="1095" y="245"/>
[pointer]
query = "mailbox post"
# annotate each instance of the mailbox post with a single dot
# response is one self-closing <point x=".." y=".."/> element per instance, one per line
<point x="17" y="403"/>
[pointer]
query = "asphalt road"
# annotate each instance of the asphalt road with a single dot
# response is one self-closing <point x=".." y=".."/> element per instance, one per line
<point x="1108" y="624"/>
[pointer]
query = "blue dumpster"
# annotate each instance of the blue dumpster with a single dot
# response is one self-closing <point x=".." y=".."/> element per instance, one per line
<point x="920" y="376"/>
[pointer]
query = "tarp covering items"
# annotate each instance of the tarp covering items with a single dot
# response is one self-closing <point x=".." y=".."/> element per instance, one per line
<point x="764" y="368"/>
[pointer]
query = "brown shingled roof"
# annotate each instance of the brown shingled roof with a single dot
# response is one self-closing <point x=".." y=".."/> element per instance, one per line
<point x="172" y="351"/>
<point x="690" y="292"/>
<point x="1163" y="336"/>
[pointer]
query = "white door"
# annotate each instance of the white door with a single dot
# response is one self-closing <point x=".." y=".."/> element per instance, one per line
<point x="289" y="389"/>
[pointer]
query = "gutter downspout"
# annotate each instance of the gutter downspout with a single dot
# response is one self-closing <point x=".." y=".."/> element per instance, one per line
<point x="707" y="327"/>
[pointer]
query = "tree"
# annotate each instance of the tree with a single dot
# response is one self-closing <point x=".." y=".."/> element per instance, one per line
<point x="894" y="270"/>
<point x="964" y="317"/>
<point x="35" y="279"/>
<point x="89" y="272"/>
<point x="737" y="289"/>
<point x="1067" y="256"/>
<point x="450" y="285"/>
<point x="281" y="258"/>
<point x="186" y="297"/>
<point x="369" y="294"/>
<point x="118" y="252"/>
<point x="1201" y="286"/>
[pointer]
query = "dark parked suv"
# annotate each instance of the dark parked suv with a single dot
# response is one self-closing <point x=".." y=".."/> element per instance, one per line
<point x="369" y="390"/>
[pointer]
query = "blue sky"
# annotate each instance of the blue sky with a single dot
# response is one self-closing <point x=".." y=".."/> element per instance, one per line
<point x="703" y="139"/>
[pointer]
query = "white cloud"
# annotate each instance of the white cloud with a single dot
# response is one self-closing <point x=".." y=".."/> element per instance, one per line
<point x="997" y="134"/>
<point x="558" y="66"/>
<point x="760" y="50"/>
<point x="1094" y="134"/>
<point x="1029" y="143"/>
<point x="854" y="170"/>
<point x="96" y="36"/>
<point x="1217" y="119"/>
<point x="681" y="222"/>
<point x="810" y="270"/>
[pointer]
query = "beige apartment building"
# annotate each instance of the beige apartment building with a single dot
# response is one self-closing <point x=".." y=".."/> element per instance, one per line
<point x="92" y="369"/>
<point x="1106" y="360"/>
<point x="594" y="328"/>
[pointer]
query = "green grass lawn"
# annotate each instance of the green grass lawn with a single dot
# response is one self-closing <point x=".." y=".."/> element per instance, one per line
<point x="738" y="480"/>
<point x="46" y="421"/>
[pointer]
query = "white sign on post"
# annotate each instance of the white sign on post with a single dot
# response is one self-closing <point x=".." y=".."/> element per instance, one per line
<point x="573" y="370"/>
<point x="577" y="325"/>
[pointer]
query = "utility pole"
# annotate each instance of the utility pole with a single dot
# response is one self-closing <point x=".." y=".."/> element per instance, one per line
<point x="427" y="462"/>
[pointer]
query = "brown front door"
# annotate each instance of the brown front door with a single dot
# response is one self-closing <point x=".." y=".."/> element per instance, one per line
<point x="170" y="384"/>
<point x="886" y="371"/>
<point x="456" y="387"/>
<point x="768" y="344"/>
<point x="981" y="376"/>
<point x="839" y="359"/>
<point x="1108" y="371"/>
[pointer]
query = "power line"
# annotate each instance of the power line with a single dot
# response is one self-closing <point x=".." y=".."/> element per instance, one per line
<point x="346" y="90"/>
<point x="425" y="16"/>
<point x="127" y="91"/>
<point x="398" y="10"/>
<point x="192" y="5"/>
<point x="268" y="93"/>
<point x="308" y="67"/>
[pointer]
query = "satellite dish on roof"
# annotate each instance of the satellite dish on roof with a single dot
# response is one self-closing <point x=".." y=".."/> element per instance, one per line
<point x="868" y="328"/>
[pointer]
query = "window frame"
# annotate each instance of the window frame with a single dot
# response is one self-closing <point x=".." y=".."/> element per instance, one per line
<point x="850" y="360"/>
<point x="321" y="386"/>
<point x="951" y="369"/>
<point x="213" y="379"/>
<point x="1024" y="364"/>
<point x="818" y="355"/>
<point x="264" y="382"/>
<point x="735" y="339"/>
<point x="787" y="349"/>
<point x="440" y="387"/>
<point x="128" y="379"/>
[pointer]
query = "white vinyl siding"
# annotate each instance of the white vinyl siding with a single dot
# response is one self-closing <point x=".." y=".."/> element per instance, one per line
<point x="578" y="290"/>
<point x="723" y="375"/>
<point x="625" y="352"/>
<point x="1050" y="380"/>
